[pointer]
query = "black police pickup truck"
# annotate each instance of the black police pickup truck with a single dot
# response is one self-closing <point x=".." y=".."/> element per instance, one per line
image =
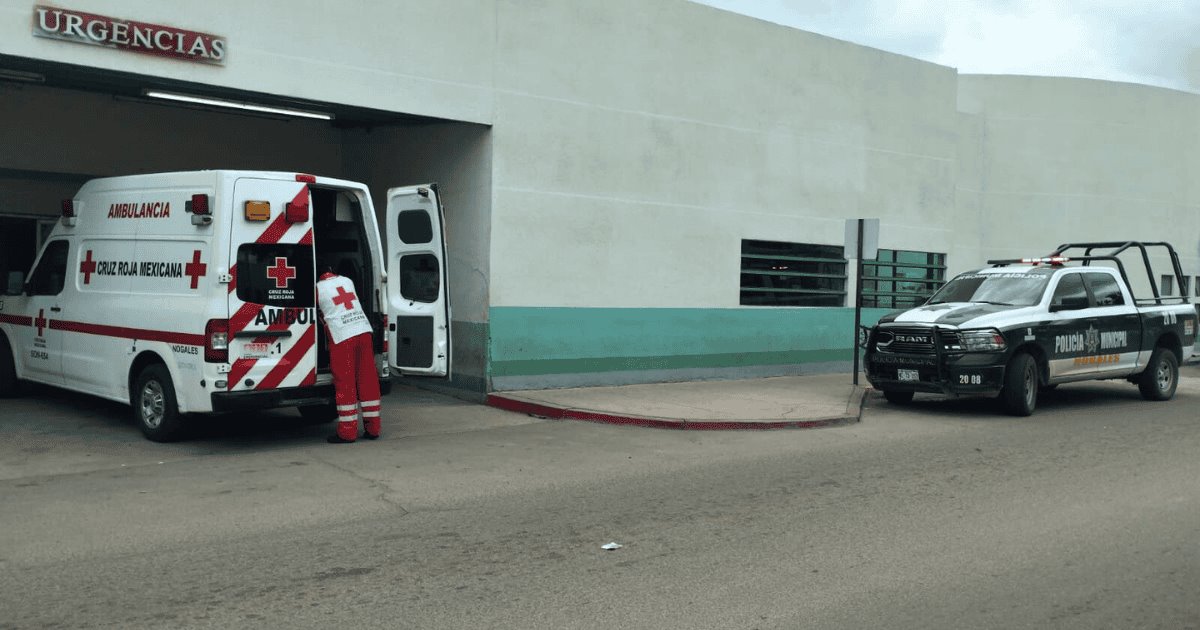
<point x="1029" y="324"/>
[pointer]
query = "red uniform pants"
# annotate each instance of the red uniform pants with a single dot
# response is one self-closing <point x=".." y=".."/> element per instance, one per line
<point x="355" y="383"/>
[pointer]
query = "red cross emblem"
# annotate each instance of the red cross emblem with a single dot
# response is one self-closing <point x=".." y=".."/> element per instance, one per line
<point x="195" y="269"/>
<point x="87" y="267"/>
<point x="40" y="322"/>
<point x="281" y="272"/>
<point x="345" y="299"/>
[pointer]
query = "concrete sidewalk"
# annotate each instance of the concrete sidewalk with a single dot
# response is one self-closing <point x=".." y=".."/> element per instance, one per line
<point x="762" y="403"/>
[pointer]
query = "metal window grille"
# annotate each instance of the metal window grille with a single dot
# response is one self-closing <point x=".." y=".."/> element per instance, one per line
<point x="902" y="279"/>
<point x="775" y="273"/>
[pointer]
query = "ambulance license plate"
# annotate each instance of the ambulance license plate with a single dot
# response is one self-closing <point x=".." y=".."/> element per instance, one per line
<point x="256" y="350"/>
<point x="907" y="375"/>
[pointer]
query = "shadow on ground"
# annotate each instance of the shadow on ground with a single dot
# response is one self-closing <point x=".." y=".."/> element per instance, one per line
<point x="1066" y="398"/>
<point x="88" y="414"/>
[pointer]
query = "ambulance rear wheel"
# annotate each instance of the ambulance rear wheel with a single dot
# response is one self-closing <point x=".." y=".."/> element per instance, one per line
<point x="385" y="386"/>
<point x="9" y="386"/>
<point x="154" y="404"/>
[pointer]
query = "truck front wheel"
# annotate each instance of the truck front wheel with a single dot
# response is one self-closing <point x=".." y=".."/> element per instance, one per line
<point x="1019" y="395"/>
<point x="154" y="404"/>
<point x="1161" y="377"/>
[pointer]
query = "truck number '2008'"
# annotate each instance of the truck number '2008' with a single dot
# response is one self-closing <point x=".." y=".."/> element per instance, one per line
<point x="970" y="379"/>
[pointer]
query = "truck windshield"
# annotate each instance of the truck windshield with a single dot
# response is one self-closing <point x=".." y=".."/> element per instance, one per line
<point x="1008" y="289"/>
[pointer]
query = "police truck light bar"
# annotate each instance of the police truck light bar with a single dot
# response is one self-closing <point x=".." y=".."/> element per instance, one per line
<point x="1052" y="260"/>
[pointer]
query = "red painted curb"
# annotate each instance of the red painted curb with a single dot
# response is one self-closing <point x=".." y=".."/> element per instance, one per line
<point x="561" y="413"/>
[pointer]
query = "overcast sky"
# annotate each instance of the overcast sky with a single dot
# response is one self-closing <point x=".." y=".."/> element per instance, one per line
<point x="1156" y="42"/>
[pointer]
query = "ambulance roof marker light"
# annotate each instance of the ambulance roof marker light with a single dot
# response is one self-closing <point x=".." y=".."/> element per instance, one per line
<point x="306" y="178"/>
<point x="198" y="206"/>
<point x="68" y="212"/>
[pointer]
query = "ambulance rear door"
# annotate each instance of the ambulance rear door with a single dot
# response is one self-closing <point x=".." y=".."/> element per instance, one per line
<point x="418" y="300"/>
<point x="272" y="312"/>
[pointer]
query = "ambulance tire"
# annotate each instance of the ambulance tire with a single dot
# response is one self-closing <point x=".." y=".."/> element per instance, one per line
<point x="154" y="404"/>
<point x="1161" y="377"/>
<point x="1020" y="392"/>
<point x="9" y="385"/>
<point x="385" y="386"/>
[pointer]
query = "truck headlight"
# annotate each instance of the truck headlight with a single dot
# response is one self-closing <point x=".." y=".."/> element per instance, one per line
<point x="985" y="340"/>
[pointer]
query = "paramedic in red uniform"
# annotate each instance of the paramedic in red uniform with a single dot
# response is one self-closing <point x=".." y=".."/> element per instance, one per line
<point x="351" y="356"/>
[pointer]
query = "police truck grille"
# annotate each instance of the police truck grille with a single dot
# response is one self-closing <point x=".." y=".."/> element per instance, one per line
<point x="913" y="339"/>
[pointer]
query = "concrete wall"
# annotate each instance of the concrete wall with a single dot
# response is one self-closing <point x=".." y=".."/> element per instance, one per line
<point x="632" y="158"/>
<point x="1051" y="160"/>
<point x="636" y="157"/>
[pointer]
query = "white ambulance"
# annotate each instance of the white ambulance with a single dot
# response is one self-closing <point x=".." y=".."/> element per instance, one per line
<point x="193" y="292"/>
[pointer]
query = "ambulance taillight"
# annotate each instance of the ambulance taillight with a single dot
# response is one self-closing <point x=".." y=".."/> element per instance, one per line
<point x="198" y="206"/>
<point x="68" y="212"/>
<point x="216" y="341"/>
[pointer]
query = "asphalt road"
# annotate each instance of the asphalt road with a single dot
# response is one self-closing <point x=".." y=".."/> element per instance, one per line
<point x="940" y="515"/>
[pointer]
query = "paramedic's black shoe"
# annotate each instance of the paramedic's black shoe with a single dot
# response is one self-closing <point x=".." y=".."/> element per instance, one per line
<point x="368" y="436"/>
<point x="337" y="439"/>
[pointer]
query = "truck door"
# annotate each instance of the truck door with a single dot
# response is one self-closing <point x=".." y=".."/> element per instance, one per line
<point x="1074" y="332"/>
<point x="272" y="315"/>
<point x="417" y="294"/>
<point x="1119" y="324"/>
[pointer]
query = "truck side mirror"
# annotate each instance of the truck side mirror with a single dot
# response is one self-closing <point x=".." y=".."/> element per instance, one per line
<point x="15" y="284"/>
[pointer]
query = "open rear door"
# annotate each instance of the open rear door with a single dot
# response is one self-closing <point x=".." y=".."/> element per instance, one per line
<point x="272" y="317"/>
<point x="418" y="301"/>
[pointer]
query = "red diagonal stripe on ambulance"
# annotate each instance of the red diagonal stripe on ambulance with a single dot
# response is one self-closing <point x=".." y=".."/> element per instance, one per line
<point x="240" y="368"/>
<point x="243" y="366"/>
<point x="275" y="231"/>
<point x="289" y="360"/>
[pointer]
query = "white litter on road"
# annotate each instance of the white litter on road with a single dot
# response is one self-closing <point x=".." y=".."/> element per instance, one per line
<point x="610" y="546"/>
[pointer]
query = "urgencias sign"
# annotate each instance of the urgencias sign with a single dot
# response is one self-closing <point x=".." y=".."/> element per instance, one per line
<point x="131" y="35"/>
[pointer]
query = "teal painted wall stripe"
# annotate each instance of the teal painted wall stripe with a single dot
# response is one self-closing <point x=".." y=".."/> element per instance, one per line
<point x="547" y="340"/>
